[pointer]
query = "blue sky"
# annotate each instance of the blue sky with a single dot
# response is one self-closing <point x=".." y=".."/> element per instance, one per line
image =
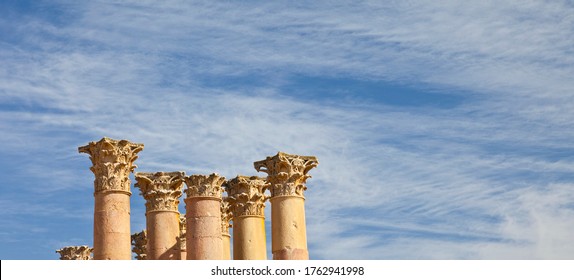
<point x="443" y="129"/>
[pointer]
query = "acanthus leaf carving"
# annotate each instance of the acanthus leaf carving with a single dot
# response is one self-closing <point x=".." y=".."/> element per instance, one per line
<point x="75" y="253"/>
<point x="139" y="243"/>
<point x="204" y="186"/>
<point x="112" y="162"/>
<point x="161" y="190"/>
<point x="226" y="216"/>
<point x="247" y="195"/>
<point x="287" y="173"/>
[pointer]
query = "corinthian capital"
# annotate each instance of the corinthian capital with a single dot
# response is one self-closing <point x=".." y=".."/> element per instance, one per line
<point x="247" y="195"/>
<point x="287" y="173"/>
<point x="112" y="162"/>
<point x="75" y="253"/>
<point x="226" y="216"/>
<point x="161" y="190"/>
<point x="204" y="186"/>
<point x="139" y="241"/>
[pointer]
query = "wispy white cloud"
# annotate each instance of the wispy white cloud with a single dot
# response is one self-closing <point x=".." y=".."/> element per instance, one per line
<point x="393" y="182"/>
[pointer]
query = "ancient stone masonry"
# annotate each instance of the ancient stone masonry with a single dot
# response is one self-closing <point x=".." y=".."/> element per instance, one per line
<point x="181" y="239"/>
<point x="203" y="214"/>
<point x="75" y="253"/>
<point x="247" y="202"/>
<point x="203" y="232"/>
<point x="112" y="162"/>
<point x="139" y="242"/>
<point x="162" y="191"/>
<point x="226" y="218"/>
<point x="287" y="175"/>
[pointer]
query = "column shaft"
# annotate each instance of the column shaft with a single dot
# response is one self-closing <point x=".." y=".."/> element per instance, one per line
<point x="112" y="236"/>
<point x="287" y="175"/>
<point x="203" y="215"/>
<point x="226" y="247"/>
<point x="163" y="232"/>
<point x="249" y="242"/>
<point x="112" y="162"/>
<point x="203" y="229"/>
<point x="289" y="235"/>
<point x="162" y="191"/>
<point x="247" y="203"/>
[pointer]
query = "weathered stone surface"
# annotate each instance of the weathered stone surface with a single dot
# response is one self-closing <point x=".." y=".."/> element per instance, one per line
<point x="181" y="239"/>
<point x="161" y="190"/>
<point x="226" y="216"/>
<point x="247" y="202"/>
<point x="203" y="215"/>
<point x="247" y="195"/>
<point x="139" y="242"/>
<point x="287" y="173"/>
<point x="204" y="185"/>
<point x="75" y="253"/>
<point x="112" y="160"/>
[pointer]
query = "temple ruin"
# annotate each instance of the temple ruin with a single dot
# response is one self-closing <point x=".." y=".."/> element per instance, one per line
<point x="213" y="205"/>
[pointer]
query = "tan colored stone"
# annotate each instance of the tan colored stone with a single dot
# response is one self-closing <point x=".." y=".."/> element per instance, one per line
<point x="247" y="202"/>
<point x="112" y="161"/>
<point x="162" y="191"/>
<point x="226" y="218"/>
<point x="139" y="242"/>
<point x="181" y="239"/>
<point x="203" y="214"/>
<point x="288" y="175"/>
<point x="75" y="253"/>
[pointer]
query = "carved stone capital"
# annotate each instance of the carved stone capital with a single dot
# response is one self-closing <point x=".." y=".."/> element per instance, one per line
<point x="139" y="242"/>
<point x="226" y="216"/>
<point x="247" y="195"/>
<point x="161" y="190"/>
<point x="287" y="173"/>
<point x="182" y="232"/>
<point x="204" y="186"/>
<point x="112" y="162"/>
<point x="75" y="253"/>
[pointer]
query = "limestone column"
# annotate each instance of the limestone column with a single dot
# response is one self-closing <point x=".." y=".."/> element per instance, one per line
<point x="162" y="191"/>
<point x="247" y="201"/>
<point x="287" y="175"/>
<point x="203" y="216"/>
<point x="139" y="241"/>
<point x="181" y="239"/>
<point x="226" y="218"/>
<point x="112" y="161"/>
<point x="75" y="253"/>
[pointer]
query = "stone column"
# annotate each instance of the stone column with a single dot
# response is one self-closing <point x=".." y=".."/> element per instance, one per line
<point x="181" y="239"/>
<point x="162" y="191"/>
<point x="112" y="161"/>
<point x="287" y="175"/>
<point x="247" y="201"/>
<point x="226" y="218"/>
<point x="76" y="253"/>
<point x="139" y="241"/>
<point x="203" y="216"/>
